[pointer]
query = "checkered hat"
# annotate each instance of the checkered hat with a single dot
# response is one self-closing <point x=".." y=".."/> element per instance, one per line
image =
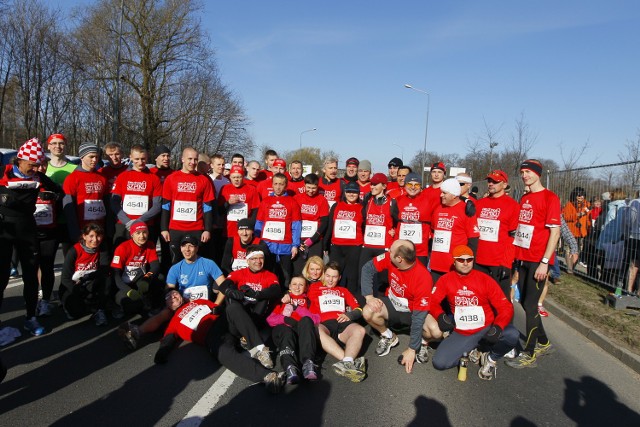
<point x="31" y="151"/>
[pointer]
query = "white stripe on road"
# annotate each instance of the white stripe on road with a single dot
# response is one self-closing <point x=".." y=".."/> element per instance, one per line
<point x="208" y="401"/>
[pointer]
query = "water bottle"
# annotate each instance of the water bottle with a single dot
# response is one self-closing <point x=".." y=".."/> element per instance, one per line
<point x="462" y="368"/>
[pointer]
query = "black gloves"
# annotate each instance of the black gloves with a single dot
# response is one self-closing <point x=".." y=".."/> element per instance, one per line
<point x="290" y="321"/>
<point x="235" y="294"/>
<point x="493" y="334"/>
<point x="167" y="344"/>
<point x="446" y="323"/>
<point x="470" y="207"/>
<point x="250" y="292"/>
<point x="217" y="310"/>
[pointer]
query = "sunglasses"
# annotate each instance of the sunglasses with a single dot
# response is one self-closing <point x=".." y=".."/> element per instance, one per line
<point x="413" y="184"/>
<point x="464" y="260"/>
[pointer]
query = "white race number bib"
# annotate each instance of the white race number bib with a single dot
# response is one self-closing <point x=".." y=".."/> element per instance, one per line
<point x="375" y="235"/>
<point x="94" y="210"/>
<point x="135" y="204"/>
<point x="489" y="229"/>
<point x="345" y="229"/>
<point x="274" y="230"/>
<point x="469" y="317"/>
<point x="184" y="211"/>
<point x="524" y="234"/>
<point x="441" y="241"/>
<point x="330" y="303"/>
<point x="411" y="232"/>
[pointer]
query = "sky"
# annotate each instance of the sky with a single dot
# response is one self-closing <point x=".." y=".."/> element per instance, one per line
<point x="571" y="68"/>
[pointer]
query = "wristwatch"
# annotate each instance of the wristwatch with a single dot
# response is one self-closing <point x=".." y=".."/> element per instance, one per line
<point x="545" y="260"/>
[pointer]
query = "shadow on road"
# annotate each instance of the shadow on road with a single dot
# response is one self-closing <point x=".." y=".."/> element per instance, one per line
<point x="430" y="412"/>
<point x="590" y="402"/>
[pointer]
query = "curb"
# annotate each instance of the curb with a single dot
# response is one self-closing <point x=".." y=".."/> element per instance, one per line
<point x="585" y="328"/>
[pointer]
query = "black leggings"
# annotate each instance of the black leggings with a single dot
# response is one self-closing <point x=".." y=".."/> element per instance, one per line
<point x="48" y="249"/>
<point x="301" y="339"/>
<point x="530" y="291"/>
<point x="242" y="323"/>
<point x="502" y="276"/>
<point x="348" y="257"/>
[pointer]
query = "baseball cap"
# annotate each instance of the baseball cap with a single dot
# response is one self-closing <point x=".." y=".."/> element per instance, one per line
<point x="379" y="178"/>
<point x="412" y="177"/>
<point x="189" y="238"/>
<point x="438" y="165"/>
<point x="353" y="161"/>
<point x="498" y="176"/>
<point x="352" y="187"/>
<point x="395" y="162"/>
<point x="280" y="163"/>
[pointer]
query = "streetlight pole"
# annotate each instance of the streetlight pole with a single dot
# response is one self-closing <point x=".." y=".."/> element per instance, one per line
<point x="116" y="103"/>
<point x="426" y="128"/>
<point x="303" y="132"/>
<point x="492" y="145"/>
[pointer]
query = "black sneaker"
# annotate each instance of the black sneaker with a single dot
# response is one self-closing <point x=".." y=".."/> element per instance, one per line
<point x="309" y="370"/>
<point x="293" y="374"/>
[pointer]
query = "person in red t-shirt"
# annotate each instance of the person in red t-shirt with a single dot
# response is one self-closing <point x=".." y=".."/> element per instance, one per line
<point x="136" y="196"/>
<point x="237" y="201"/>
<point x="481" y="314"/>
<point x="249" y="293"/>
<point x="344" y="237"/>
<point x="393" y="166"/>
<point x="113" y="153"/>
<point x="314" y="213"/>
<point x="398" y="191"/>
<point x="406" y="303"/>
<point x="202" y="322"/>
<point x="364" y="178"/>
<point x="162" y="169"/>
<point x="135" y="269"/>
<point x="265" y="187"/>
<point x="340" y="335"/>
<point x="536" y="240"/>
<point x="330" y="186"/>
<point x="438" y="174"/>
<point x="235" y="250"/>
<point x="413" y="216"/>
<point x="497" y="223"/>
<point x="451" y="227"/>
<point x="296" y="183"/>
<point x="85" y="193"/>
<point x="188" y="202"/>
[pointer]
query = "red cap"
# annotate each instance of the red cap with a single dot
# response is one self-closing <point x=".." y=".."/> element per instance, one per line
<point x="498" y="176"/>
<point x="462" y="251"/>
<point x="280" y="162"/>
<point x="438" y="165"/>
<point x="379" y="178"/>
<point x="137" y="226"/>
<point x="55" y="136"/>
<point x="236" y="169"/>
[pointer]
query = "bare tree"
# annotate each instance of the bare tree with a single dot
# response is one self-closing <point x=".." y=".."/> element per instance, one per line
<point x="632" y="158"/>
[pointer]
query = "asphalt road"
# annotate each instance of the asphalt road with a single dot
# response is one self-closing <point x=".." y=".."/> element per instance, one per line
<point x="81" y="375"/>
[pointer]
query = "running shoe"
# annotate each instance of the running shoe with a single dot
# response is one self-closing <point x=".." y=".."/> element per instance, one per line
<point x="264" y="357"/>
<point x="543" y="350"/>
<point x="524" y="360"/>
<point x="488" y="368"/>
<point x="117" y="312"/>
<point x="274" y="382"/>
<point x="542" y="311"/>
<point x="348" y="370"/>
<point x="309" y="370"/>
<point x="361" y="364"/>
<point x="475" y="356"/>
<point x="422" y="356"/>
<point x="100" y="318"/>
<point x="44" y="308"/>
<point x="293" y="374"/>
<point x="13" y="273"/>
<point x="384" y="345"/>
<point x="33" y="327"/>
<point x="511" y="355"/>
<point x="582" y="264"/>
<point x="130" y="334"/>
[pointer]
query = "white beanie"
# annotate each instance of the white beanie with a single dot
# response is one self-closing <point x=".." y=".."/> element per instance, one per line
<point x="451" y="186"/>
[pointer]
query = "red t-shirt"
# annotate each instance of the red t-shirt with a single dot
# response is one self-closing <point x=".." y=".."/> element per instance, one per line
<point x="111" y="173"/>
<point x="242" y="209"/>
<point x="378" y="222"/>
<point x="451" y="228"/>
<point x="331" y="190"/>
<point x="137" y="190"/>
<point x="364" y="190"/>
<point x="538" y="212"/>
<point x="473" y="299"/>
<point x="187" y="192"/>
<point x="432" y="194"/>
<point x="239" y="253"/>
<point x="329" y="303"/>
<point x="277" y="213"/>
<point x="192" y="321"/>
<point x="257" y="281"/>
<point x="311" y="210"/>
<point x="414" y="221"/>
<point x="296" y="187"/>
<point x="129" y="256"/>
<point x="409" y="290"/>
<point x="161" y="173"/>
<point x="394" y="193"/>
<point x="88" y="190"/>
<point x="496" y="218"/>
<point x="347" y="224"/>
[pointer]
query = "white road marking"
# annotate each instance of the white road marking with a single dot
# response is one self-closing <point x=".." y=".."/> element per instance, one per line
<point x="208" y="401"/>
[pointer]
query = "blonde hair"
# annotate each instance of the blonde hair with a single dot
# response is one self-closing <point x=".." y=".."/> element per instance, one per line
<point x="312" y="260"/>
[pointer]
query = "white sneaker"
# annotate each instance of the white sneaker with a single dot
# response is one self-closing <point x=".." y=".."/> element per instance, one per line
<point x="511" y="355"/>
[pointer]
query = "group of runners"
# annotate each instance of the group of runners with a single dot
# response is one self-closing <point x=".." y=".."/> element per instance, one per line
<point x="262" y="262"/>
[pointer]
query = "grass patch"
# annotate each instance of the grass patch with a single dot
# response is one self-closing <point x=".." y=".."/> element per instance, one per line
<point x="588" y="302"/>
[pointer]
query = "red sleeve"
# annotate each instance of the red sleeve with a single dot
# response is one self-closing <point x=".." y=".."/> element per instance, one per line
<point x="350" y="299"/>
<point x="381" y="262"/>
<point x="209" y="194"/>
<point x="157" y="186"/>
<point x="553" y="210"/>
<point x="440" y="293"/>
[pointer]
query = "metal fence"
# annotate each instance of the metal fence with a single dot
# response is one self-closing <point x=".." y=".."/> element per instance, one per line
<point x="608" y="189"/>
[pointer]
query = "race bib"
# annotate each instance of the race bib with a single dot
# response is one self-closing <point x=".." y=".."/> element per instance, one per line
<point x="237" y="211"/>
<point x="329" y="303"/>
<point x="400" y="304"/>
<point x="441" y="241"/>
<point x="489" y="229"/>
<point x="309" y="228"/>
<point x="239" y="264"/>
<point x="469" y="317"/>
<point x="196" y="292"/>
<point x="43" y="214"/>
<point x="524" y="234"/>
<point x="94" y="209"/>
<point x="374" y="235"/>
<point x="274" y="230"/>
<point x="135" y="204"/>
<point x="184" y="211"/>
<point x="345" y="229"/>
<point x="192" y="319"/>
<point x="411" y="232"/>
